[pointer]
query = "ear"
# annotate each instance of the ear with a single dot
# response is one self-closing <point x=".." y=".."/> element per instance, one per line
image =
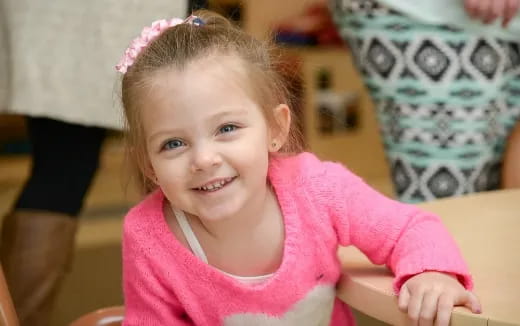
<point x="152" y="177"/>
<point x="149" y="172"/>
<point x="280" y="129"/>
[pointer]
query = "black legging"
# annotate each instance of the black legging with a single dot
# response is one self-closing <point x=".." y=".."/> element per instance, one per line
<point x="65" y="159"/>
<point x="196" y="4"/>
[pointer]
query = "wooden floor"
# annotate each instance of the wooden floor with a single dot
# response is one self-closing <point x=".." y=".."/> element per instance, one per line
<point x="95" y="278"/>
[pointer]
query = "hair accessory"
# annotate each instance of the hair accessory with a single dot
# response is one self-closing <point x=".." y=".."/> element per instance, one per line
<point x="148" y="34"/>
<point x="194" y="20"/>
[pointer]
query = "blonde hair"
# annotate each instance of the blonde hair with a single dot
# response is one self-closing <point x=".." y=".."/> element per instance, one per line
<point x="182" y="44"/>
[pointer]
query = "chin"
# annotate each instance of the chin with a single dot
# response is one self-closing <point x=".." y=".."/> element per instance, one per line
<point x="219" y="213"/>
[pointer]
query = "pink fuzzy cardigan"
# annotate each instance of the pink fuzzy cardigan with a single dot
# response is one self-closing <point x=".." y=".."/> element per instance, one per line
<point x="324" y="205"/>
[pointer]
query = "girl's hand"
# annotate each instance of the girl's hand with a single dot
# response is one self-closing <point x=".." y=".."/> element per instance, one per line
<point x="430" y="297"/>
<point x="489" y="10"/>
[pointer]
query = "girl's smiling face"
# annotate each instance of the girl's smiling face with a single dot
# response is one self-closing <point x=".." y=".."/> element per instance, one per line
<point x="207" y="140"/>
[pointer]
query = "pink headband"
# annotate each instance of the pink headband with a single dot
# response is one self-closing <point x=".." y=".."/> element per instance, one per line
<point x="148" y="34"/>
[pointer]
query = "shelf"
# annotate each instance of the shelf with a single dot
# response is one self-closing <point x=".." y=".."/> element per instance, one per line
<point x="361" y="149"/>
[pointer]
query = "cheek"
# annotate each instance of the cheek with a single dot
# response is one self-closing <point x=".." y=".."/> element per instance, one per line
<point x="254" y="160"/>
<point x="253" y="153"/>
<point x="168" y="172"/>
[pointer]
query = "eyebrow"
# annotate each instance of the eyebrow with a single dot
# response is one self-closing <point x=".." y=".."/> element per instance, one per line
<point x="215" y="117"/>
<point x="218" y="116"/>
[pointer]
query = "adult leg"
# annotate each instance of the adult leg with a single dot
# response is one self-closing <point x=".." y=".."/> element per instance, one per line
<point x="511" y="168"/>
<point x="439" y="96"/>
<point x="511" y="171"/>
<point x="38" y="235"/>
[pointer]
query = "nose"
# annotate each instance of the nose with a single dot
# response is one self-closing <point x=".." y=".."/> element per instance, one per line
<point x="204" y="158"/>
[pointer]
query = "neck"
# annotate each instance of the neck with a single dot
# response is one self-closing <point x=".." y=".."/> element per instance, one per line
<point x="244" y="223"/>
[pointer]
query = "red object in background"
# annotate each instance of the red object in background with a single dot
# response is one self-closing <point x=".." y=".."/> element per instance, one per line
<point x="314" y="22"/>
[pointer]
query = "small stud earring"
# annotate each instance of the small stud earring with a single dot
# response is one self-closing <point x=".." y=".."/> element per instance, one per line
<point x="273" y="145"/>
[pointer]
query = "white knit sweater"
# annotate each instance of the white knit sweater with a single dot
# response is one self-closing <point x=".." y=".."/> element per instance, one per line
<point x="57" y="57"/>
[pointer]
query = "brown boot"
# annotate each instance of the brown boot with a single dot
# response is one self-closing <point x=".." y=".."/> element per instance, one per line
<point x="36" y="252"/>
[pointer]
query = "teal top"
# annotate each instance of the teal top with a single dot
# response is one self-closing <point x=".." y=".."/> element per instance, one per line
<point x="452" y="12"/>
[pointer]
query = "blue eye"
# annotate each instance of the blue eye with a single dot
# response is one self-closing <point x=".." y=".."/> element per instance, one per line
<point x="172" y="144"/>
<point x="227" y="128"/>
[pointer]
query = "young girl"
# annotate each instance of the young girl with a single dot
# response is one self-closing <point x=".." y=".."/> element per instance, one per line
<point x="241" y="227"/>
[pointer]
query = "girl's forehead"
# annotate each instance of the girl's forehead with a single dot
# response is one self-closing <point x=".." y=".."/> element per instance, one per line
<point x="206" y="77"/>
<point x="210" y="67"/>
<point x="204" y="86"/>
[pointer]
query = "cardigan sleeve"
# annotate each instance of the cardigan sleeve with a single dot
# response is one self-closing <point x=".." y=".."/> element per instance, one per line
<point x="402" y="236"/>
<point x="148" y="302"/>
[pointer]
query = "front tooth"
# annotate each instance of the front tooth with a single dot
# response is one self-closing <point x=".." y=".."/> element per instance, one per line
<point x="216" y="185"/>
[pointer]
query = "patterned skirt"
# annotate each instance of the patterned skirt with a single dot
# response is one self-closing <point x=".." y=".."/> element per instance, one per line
<point x="446" y="99"/>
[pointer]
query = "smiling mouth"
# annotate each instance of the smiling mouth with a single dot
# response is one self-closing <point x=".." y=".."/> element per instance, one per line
<point x="215" y="186"/>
